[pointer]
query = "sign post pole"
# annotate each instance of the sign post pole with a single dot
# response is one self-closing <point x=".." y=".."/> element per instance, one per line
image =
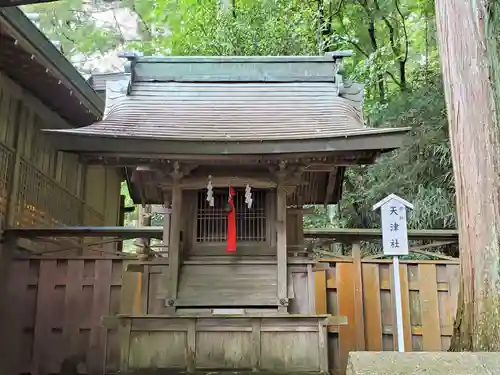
<point x="395" y="244"/>
<point x="398" y="303"/>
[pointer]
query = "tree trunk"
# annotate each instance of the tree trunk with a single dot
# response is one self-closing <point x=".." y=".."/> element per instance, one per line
<point x="467" y="38"/>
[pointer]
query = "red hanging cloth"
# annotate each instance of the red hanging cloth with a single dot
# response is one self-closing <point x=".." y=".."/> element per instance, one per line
<point x="231" y="223"/>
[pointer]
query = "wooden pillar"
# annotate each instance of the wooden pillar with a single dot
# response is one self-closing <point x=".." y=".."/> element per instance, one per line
<point x="144" y="220"/>
<point x="8" y="320"/>
<point x="174" y="246"/>
<point x="20" y="128"/>
<point x="282" y="278"/>
<point x="166" y="224"/>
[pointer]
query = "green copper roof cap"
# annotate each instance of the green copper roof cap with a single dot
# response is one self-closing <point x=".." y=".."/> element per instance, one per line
<point x="236" y="68"/>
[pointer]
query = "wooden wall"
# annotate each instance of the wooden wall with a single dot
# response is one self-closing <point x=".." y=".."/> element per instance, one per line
<point x="42" y="187"/>
<point x="56" y="307"/>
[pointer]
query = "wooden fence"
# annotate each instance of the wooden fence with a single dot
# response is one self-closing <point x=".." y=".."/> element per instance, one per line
<point x="55" y="311"/>
<point x="361" y="290"/>
<point x="56" y="307"/>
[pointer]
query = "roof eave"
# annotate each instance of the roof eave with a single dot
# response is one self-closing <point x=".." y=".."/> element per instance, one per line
<point x="22" y="28"/>
<point x="384" y="140"/>
<point x="12" y="3"/>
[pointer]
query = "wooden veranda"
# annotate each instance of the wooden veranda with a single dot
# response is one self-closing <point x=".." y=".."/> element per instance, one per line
<point x="63" y="298"/>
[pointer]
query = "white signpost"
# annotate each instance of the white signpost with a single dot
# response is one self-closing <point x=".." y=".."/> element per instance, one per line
<point x="395" y="244"/>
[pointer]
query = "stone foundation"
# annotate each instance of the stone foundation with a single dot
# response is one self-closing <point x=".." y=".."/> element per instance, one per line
<point x="423" y="363"/>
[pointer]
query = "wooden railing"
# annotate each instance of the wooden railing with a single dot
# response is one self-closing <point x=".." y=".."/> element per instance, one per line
<point x="41" y="201"/>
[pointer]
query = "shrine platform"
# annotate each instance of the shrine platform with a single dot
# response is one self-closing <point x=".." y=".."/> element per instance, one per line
<point x="270" y="343"/>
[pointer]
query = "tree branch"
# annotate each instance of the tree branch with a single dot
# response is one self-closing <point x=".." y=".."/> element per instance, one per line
<point x="122" y="36"/>
<point x="396" y="50"/>
<point x="145" y="26"/>
<point x="405" y="32"/>
<point x="393" y="78"/>
<point x="56" y="26"/>
<point x="354" y="44"/>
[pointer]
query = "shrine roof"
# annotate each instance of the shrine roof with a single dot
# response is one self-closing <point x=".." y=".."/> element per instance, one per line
<point x="231" y="105"/>
<point x="34" y="63"/>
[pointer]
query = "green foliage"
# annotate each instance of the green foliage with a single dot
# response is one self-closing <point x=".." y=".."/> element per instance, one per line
<point x="394" y="54"/>
<point x="280" y="27"/>
<point x="420" y="171"/>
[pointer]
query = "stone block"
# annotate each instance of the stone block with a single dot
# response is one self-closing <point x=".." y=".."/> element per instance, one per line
<point x="423" y="363"/>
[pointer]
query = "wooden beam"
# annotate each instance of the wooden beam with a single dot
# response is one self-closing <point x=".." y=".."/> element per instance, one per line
<point x="310" y="159"/>
<point x="166" y="222"/>
<point x="236" y="181"/>
<point x="330" y="187"/>
<point x="174" y="244"/>
<point x="357" y="234"/>
<point x="338" y="234"/>
<point x="301" y="210"/>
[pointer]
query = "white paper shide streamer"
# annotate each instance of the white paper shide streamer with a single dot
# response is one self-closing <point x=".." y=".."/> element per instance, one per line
<point x="210" y="192"/>
<point x="248" y="196"/>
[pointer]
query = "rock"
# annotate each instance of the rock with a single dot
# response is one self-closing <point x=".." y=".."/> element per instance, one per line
<point x="423" y="363"/>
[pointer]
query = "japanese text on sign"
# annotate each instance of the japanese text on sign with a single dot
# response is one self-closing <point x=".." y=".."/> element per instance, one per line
<point x="394" y="232"/>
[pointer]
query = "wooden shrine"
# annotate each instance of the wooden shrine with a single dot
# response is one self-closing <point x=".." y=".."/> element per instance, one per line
<point x="233" y="148"/>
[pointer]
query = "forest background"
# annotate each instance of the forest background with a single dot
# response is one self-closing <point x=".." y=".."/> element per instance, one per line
<point x="394" y="54"/>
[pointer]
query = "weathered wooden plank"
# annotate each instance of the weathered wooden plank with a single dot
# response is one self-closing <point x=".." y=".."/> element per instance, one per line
<point x="100" y="308"/>
<point x="303" y="291"/>
<point x="345" y="289"/>
<point x="224" y="285"/>
<point x="191" y="345"/>
<point x="124" y="338"/>
<point x="157" y="324"/>
<point x="158" y="350"/>
<point x="431" y="330"/>
<point x="131" y="288"/>
<point x="320" y="292"/>
<point x="256" y="344"/>
<point x="311" y="292"/>
<point x="290" y="352"/>
<point x="14" y="319"/>
<point x="145" y="288"/>
<point x="323" y="346"/>
<point x="243" y="324"/>
<point x="405" y="302"/>
<point x="417" y="331"/>
<point x="5" y="99"/>
<point x="138" y="305"/>
<point x="358" y="298"/>
<point x="6" y="313"/>
<point x="372" y="306"/>
<point x="72" y="305"/>
<point x="453" y="272"/>
<point x="45" y="302"/>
